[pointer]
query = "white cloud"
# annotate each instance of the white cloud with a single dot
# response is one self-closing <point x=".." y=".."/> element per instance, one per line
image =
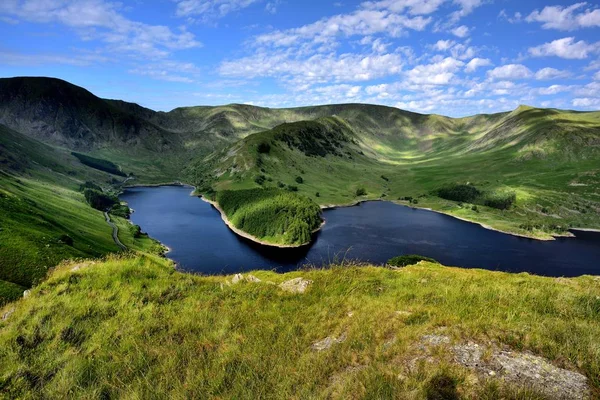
<point x="461" y="31"/>
<point x="443" y="45"/>
<point x="208" y="10"/>
<point x="440" y="73"/>
<point x="319" y="68"/>
<point x="98" y="19"/>
<point x="414" y="7"/>
<point x="476" y="63"/>
<point x="361" y="22"/>
<point x="510" y="72"/>
<point x="271" y="7"/>
<point x="567" y="18"/>
<point x="587" y="102"/>
<point x="597" y="76"/>
<point x="564" y="48"/>
<point x="553" y="89"/>
<point x="551" y="73"/>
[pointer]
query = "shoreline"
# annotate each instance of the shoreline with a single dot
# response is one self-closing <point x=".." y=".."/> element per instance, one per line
<point x="252" y="238"/>
<point x="483" y="225"/>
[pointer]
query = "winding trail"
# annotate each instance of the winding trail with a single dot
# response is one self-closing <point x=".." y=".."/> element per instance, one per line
<point x="115" y="232"/>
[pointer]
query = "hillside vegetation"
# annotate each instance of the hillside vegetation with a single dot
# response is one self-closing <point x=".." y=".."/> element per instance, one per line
<point x="133" y="327"/>
<point x="274" y="216"/>
<point x="536" y="171"/>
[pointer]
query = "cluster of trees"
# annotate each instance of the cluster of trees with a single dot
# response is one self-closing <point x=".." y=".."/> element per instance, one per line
<point x="410" y="259"/>
<point x="100" y="200"/>
<point x="281" y="216"/>
<point x="100" y="164"/>
<point x="499" y="199"/>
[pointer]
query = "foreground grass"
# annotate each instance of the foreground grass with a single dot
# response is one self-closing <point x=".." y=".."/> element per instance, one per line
<point x="133" y="327"/>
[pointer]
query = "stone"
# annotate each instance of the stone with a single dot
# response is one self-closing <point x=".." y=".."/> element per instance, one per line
<point x="8" y="313"/>
<point x="296" y="285"/>
<point x="26" y="293"/>
<point x="329" y="341"/>
<point x="237" y="278"/>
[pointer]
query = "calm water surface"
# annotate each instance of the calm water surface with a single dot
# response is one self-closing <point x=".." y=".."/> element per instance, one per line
<point x="373" y="231"/>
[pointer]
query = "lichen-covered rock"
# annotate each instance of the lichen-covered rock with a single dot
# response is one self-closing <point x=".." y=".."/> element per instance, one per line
<point x="296" y="285"/>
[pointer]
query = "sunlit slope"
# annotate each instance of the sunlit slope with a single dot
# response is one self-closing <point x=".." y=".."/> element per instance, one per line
<point x="136" y="328"/>
<point x="44" y="217"/>
<point x="549" y="158"/>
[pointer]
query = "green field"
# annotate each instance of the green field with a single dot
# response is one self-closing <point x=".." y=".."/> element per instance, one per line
<point x="136" y="328"/>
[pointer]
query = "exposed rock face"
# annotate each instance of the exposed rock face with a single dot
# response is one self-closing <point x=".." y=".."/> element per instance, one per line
<point x="237" y="278"/>
<point x="514" y="368"/>
<point x="296" y="285"/>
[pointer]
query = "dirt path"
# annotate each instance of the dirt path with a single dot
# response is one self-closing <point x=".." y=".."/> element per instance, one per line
<point x="115" y="232"/>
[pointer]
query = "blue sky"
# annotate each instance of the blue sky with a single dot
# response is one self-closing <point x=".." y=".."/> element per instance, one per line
<point x="452" y="57"/>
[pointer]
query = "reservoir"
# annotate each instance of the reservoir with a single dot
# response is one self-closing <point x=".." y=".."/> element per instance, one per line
<point x="371" y="232"/>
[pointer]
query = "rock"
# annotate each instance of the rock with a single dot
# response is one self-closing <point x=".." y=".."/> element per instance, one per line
<point x="435" y="340"/>
<point x="296" y="285"/>
<point x="8" y="313"/>
<point x="237" y="278"/>
<point x="524" y="369"/>
<point x="26" y="293"/>
<point x="326" y="343"/>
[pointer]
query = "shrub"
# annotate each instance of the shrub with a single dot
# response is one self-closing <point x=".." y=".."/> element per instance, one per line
<point x="280" y="185"/>
<point x="89" y="185"/>
<point x="403" y="261"/>
<point x="361" y="192"/>
<point x="415" y="201"/>
<point x="299" y="179"/>
<point x="292" y="188"/>
<point x="121" y="210"/>
<point x="100" y="164"/>
<point x="274" y="214"/>
<point x="318" y="194"/>
<point x="474" y="208"/>
<point x="464" y="193"/>
<point x="264" y="148"/>
<point x="99" y="200"/>
<point x="260" y="179"/>
<point x="66" y="239"/>
<point x="501" y="200"/>
<point x="385" y="178"/>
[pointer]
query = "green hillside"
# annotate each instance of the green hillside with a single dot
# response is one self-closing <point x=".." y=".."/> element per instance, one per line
<point x="56" y="136"/>
<point x="133" y="327"/>
<point x="547" y="159"/>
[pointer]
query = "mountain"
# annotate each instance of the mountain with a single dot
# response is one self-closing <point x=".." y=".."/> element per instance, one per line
<point x="544" y="162"/>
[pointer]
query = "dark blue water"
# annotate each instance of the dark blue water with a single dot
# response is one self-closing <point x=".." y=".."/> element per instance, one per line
<point x="373" y="231"/>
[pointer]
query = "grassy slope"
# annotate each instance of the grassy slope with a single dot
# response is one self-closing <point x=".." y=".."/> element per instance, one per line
<point x="40" y="202"/>
<point x="136" y="328"/>
<point x="550" y="158"/>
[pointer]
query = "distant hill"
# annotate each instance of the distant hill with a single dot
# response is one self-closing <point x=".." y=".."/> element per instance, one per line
<point x="545" y="158"/>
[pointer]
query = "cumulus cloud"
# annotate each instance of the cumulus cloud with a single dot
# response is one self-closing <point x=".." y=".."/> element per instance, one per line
<point x="551" y="73"/>
<point x="564" y="48"/>
<point x="439" y="73"/>
<point x="570" y="18"/>
<point x="319" y="68"/>
<point x="208" y="10"/>
<point x="98" y="19"/>
<point x="510" y="72"/>
<point x="461" y="31"/>
<point x="476" y="63"/>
